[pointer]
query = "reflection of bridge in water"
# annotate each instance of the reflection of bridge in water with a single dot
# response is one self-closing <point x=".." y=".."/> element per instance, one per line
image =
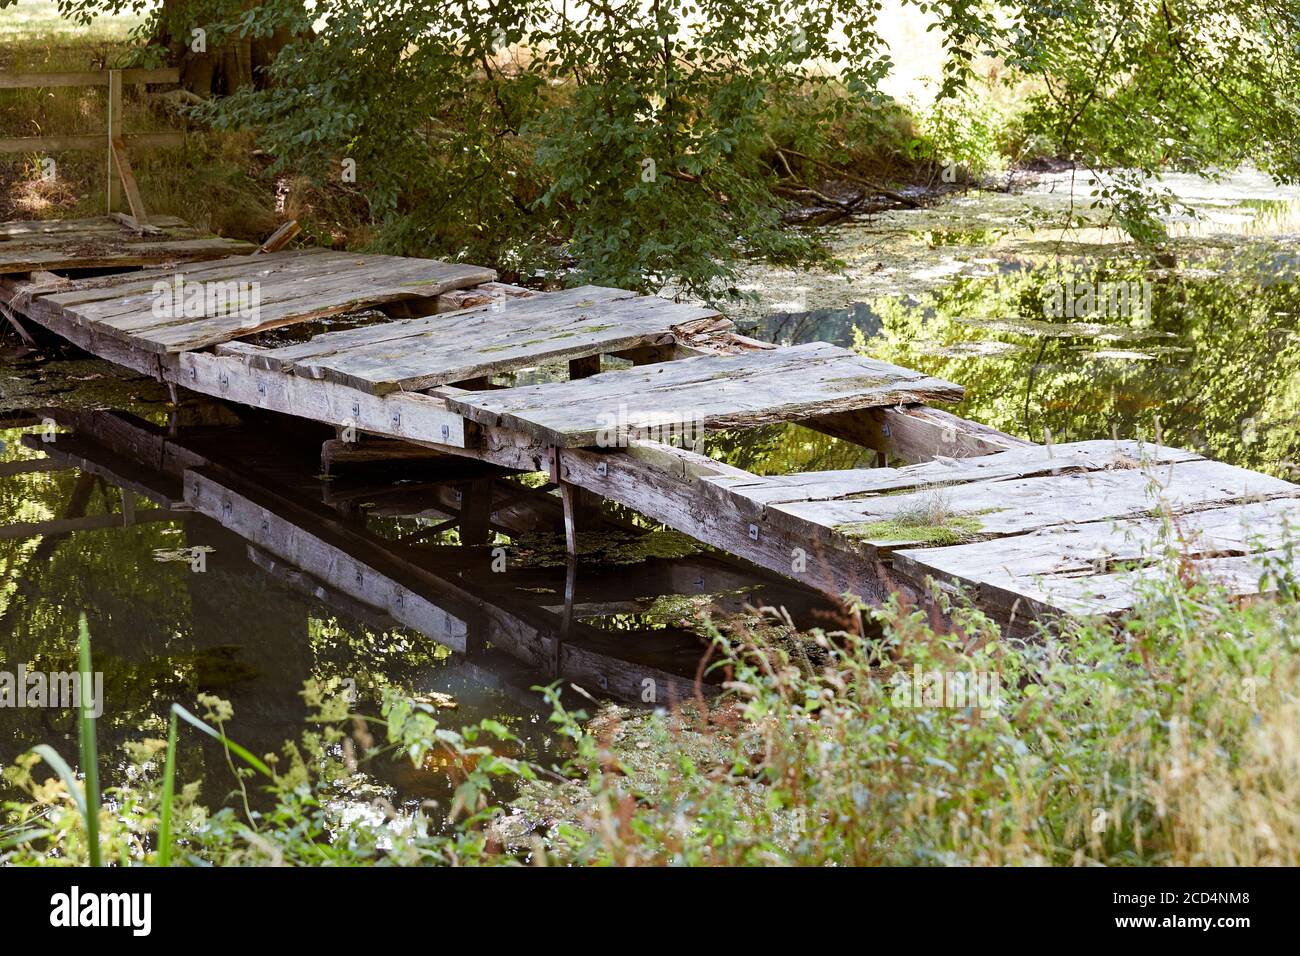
<point x="510" y="630"/>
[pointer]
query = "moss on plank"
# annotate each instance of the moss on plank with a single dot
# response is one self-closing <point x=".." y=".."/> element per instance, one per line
<point x="952" y="531"/>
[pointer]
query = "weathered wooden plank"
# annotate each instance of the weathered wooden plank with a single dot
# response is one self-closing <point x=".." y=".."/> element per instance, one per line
<point x="999" y="507"/>
<point x="664" y="486"/>
<point x="743" y="390"/>
<point x="114" y="254"/>
<point x="410" y="415"/>
<point x="459" y="346"/>
<point x="140" y="285"/>
<point x="1109" y="594"/>
<point x="281" y="279"/>
<point x="301" y="290"/>
<point x="1080" y="567"/>
<point x="101" y="242"/>
<point x="1023" y="462"/>
<point x="38" y="228"/>
<point x="332" y="343"/>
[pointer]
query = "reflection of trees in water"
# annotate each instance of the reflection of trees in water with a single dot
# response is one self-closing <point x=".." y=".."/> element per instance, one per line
<point x="162" y="632"/>
<point x="782" y="449"/>
<point x="1217" y="363"/>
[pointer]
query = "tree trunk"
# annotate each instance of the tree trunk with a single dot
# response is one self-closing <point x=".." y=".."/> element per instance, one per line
<point x="222" y="68"/>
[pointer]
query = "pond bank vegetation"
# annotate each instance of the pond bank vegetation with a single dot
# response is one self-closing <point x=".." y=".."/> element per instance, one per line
<point x="1167" y="738"/>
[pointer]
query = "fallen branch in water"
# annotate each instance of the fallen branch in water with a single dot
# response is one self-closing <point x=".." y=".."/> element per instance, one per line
<point x="908" y="201"/>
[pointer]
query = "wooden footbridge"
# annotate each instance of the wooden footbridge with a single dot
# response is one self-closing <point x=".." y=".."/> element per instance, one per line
<point x="408" y="349"/>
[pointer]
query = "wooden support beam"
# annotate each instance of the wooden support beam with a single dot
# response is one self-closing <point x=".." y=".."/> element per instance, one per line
<point x="570" y="499"/>
<point x="16" y="324"/>
<point x="370" y="449"/>
<point x="915" y="433"/>
<point x="123" y="165"/>
<point x="662" y="482"/>
<point x="396" y="415"/>
<point x="584" y="367"/>
<point x="475" y="511"/>
<point x="233" y="378"/>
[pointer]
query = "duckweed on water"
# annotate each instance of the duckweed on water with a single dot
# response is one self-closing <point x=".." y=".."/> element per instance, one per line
<point x="80" y="384"/>
<point x="541" y="550"/>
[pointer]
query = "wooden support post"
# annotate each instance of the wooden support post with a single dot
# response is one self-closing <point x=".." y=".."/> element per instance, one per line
<point x="568" y="494"/>
<point x="584" y="367"/>
<point x="570" y="588"/>
<point x="114" y="133"/>
<point x="476" y="511"/>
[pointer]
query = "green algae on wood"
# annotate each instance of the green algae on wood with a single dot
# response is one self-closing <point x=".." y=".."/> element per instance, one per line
<point x="950" y="530"/>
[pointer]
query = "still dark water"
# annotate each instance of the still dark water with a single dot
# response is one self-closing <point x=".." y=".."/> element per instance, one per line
<point x="271" y="573"/>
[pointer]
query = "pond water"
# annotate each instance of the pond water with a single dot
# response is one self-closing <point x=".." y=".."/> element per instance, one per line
<point x="1076" y="332"/>
<point x="271" y="573"/>
<point x="277" y="573"/>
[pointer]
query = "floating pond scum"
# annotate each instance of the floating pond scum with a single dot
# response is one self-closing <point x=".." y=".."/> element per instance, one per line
<point x="1034" y="531"/>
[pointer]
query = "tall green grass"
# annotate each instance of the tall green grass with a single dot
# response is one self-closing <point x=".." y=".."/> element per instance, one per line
<point x="86" y="795"/>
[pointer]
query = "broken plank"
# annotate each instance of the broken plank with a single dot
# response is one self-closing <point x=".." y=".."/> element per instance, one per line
<point x="915" y="433"/>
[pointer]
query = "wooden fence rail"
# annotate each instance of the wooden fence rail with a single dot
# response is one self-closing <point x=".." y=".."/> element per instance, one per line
<point x="113" y="137"/>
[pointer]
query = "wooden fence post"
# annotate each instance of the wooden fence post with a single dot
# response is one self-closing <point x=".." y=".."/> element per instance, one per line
<point x="114" y="132"/>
